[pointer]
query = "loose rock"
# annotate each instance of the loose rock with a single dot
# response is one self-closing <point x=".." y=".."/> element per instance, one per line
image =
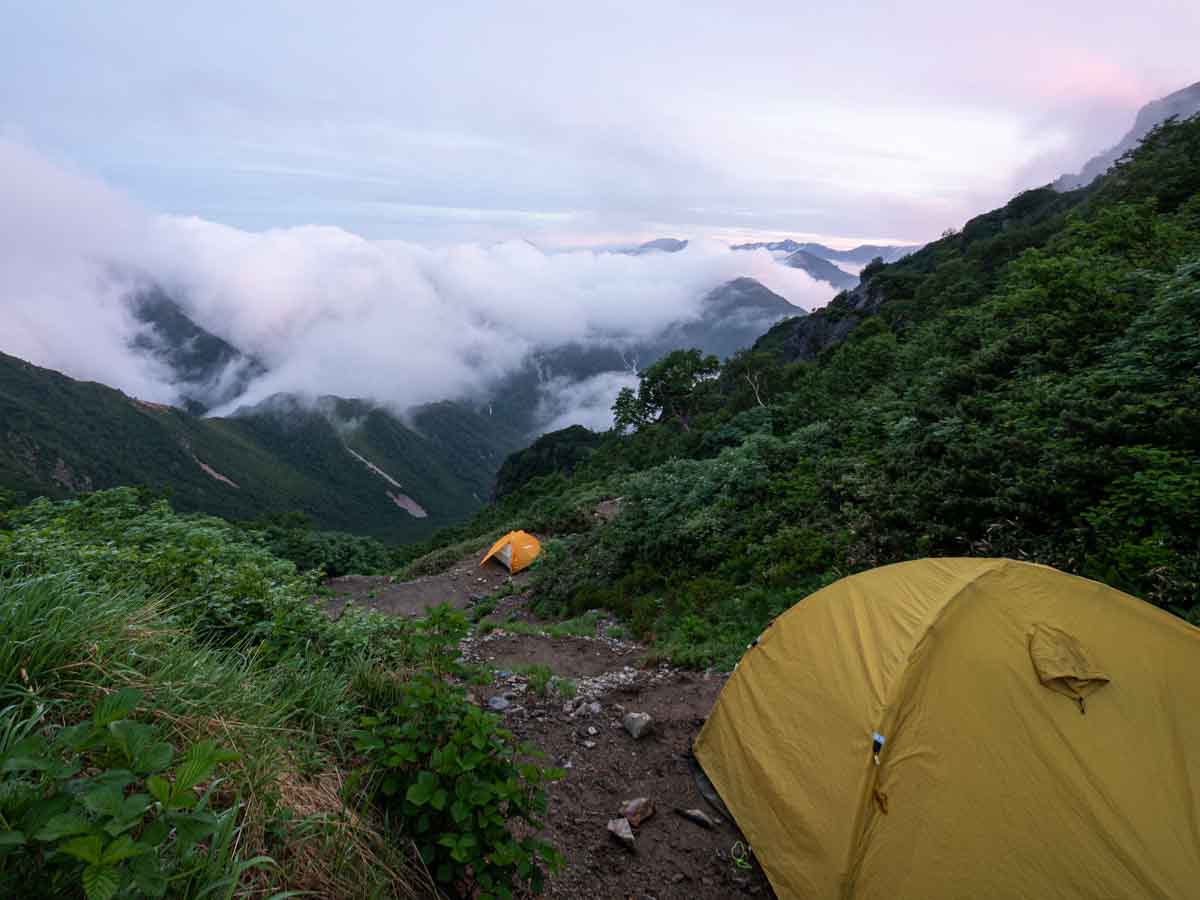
<point x="619" y="829"/>
<point x="699" y="816"/>
<point x="499" y="704"/>
<point x="637" y="810"/>
<point x="638" y="724"/>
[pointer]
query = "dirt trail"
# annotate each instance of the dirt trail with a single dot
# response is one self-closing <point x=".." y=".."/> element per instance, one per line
<point x="674" y="857"/>
<point x="460" y="585"/>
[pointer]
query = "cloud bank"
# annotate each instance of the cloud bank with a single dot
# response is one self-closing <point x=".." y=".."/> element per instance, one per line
<point x="328" y="311"/>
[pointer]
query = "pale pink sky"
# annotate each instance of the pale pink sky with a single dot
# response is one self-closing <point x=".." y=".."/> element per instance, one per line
<point x="572" y="123"/>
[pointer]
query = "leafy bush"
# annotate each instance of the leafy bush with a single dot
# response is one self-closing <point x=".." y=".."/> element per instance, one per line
<point x="220" y="582"/>
<point x="99" y="805"/>
<point x="454" y="777"/>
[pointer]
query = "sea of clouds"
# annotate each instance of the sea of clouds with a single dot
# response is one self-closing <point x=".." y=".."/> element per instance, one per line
<point x="328" y="311"/>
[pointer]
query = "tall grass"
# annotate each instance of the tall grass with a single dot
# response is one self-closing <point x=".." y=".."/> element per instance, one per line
<point x="64" y="644"/>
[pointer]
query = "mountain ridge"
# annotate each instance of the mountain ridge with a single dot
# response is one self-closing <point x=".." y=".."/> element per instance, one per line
<point x="1183" y="103"/>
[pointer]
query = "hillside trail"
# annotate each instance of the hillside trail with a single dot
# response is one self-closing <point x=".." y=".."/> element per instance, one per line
<point x="673" y="857"/>
<point x="463" y="583"/>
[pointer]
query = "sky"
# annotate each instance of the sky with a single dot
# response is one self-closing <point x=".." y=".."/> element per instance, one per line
<point x="573" y="124"/>
<point x="408" y="201"/>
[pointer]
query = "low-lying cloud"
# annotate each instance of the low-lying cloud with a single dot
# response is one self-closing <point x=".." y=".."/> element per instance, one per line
<point x="327" y="311"/>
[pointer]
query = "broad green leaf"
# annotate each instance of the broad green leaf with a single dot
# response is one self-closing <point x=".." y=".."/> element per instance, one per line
<point x="100" y="882"/>
<point x="133" y="738"/>
<point x="159" y="788"/>
<point x="123" y="848"/>
<point x="198" y="763"/>
<point x="18" y="763"/>
<point x="63" y="825"/>
<point x="155" y="833"/>
<point x="86" y="848"/>
<point x="190" y="828"/>
<point x="420" y="792"/>
<point x="11" y="838"/>
<point x="156" y="757"/>
<point x="116" y="706"/>
<point x="134" y="806"/>
<point x="104" y="801"/>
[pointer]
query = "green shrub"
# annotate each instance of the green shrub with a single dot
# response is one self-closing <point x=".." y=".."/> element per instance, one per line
<point x="538" y="676"/>
<point x="456" y="780"/>
<point x="99" y="805"/>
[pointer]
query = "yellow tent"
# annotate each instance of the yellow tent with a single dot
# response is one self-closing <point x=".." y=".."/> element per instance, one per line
<point x="516" y="550"/>
<point x="966" y="728"/>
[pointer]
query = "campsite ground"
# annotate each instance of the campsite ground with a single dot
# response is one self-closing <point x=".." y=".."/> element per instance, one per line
<point x="459" y="586"/>
<point x="673" y="856"/>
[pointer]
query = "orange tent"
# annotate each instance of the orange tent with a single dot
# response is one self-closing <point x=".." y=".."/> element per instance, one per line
<point x="516" y="550"/>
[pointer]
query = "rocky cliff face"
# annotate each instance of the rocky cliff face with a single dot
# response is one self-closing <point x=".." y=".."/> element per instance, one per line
<point x="805" y="338"/>
<point x="1183" y="104"/>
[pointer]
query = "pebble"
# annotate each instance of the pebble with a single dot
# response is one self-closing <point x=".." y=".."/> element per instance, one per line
<point x="589" y="744"/>
<point x="619" y="829"/>
<point x="499" y="704"/>
<point x="699" y="816"/>
<point x="592" y="731"/>
<point x="638" y="724"/>
<point x="637" y="810"/>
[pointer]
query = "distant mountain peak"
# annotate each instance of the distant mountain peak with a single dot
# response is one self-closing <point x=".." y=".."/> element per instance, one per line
<point x="1182" y="104"/>
<point x="206" y="370"/>
<point x="663" y="245"/>
<point x="820" y="269"/>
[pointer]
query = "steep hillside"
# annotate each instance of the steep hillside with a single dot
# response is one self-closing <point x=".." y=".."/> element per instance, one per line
<point x="1027" y="387"/>
<point x="347" y="464"/>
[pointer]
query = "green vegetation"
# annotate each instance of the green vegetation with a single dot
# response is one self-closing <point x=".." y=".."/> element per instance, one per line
<point x="64" y="437"/>
<point x="292" y="536"/>
<point x="449" y="770"/>
<point x="178" y="717"/>
<point x="580" y="626"/>
<point x="1028" y="386"/>
<point x="72" y="828"/>
<point x="558" y="451"/>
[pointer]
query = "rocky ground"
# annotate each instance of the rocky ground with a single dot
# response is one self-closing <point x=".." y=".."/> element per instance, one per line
<point x="670" y="855"/>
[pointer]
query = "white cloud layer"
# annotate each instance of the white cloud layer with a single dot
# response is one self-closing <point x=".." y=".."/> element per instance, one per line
<point x="327" y="311"/>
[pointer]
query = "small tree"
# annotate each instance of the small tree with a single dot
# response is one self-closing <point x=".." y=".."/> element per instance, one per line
<point x="673" y="389"/>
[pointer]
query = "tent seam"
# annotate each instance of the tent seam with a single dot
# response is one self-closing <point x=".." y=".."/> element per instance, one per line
<point x="891" y="704"/>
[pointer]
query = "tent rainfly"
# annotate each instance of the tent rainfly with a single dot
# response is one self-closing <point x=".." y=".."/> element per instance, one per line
<point x="516" y="550"/>
<point x="952" y="728"/>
